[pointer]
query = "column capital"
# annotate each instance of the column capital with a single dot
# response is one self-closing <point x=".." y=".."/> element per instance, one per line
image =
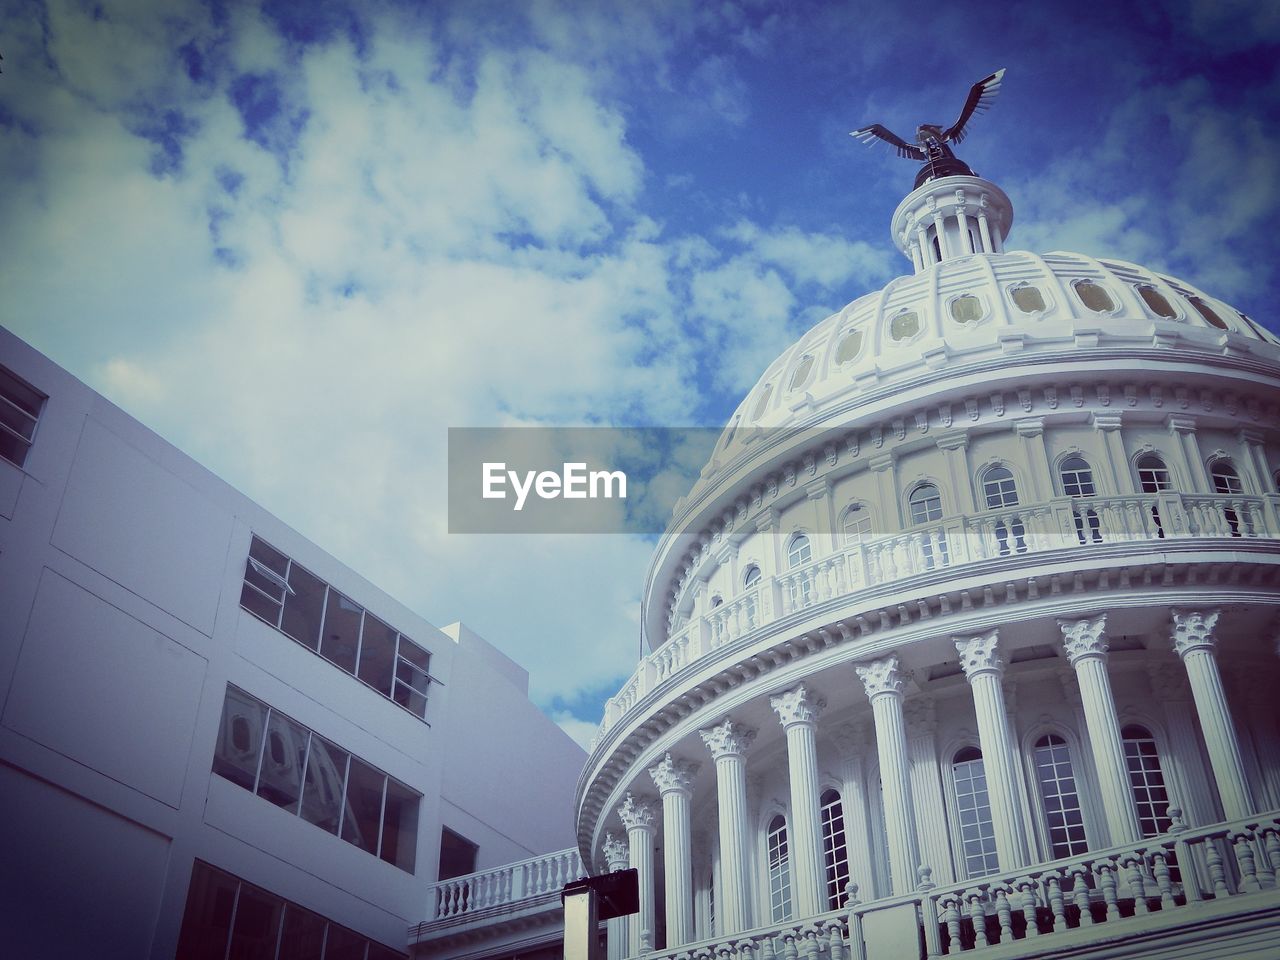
<point x="728" y="738"/>
<point x="1193" y="630"/>
<point x="956" y="440"/>
<point x="671" y="775"/>
<point x="881" y="463"/>
<point x="617" y="852"/>
<point x="1106" y="421"/>
<point x="1029" y="426"/>
<point x="881" y="677"/>
<point x="767" y="520"/>
<point x="637" y="813"/>
<point x="800" y="704"/>
<point x="1180" y="424"/>
<point x="1084" y="638"/>
<point x="1248" y="436"/>
<point x="980" y="654"/>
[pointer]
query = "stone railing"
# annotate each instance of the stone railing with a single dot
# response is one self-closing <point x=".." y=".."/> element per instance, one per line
<point x="1063" y="523"/>
<point x="1132" y="889"/>
<point x="507" y="885"/>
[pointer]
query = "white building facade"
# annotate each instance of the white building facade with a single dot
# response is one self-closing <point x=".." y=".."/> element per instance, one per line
<point x="216" y="740"/>
<point x="966" y="637"/>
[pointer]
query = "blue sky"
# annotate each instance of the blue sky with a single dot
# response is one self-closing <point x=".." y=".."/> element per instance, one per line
<point x="300" y="240"/>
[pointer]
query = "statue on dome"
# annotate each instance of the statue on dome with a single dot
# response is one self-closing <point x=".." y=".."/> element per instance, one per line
<point x="930" y="147"/>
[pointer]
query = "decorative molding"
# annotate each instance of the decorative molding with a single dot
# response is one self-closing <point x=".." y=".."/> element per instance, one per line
<point x="638" y="813"/>
<point x="979" y="654"/>
<point x="1169" y="682"/>
<point x="921" y="715"/>
<point x="727" y="738"/>
<point x="800" y="704"/>
<point x="617" y="852"/>
<point x="880" y="677"/>
<point x="1193" y="630"/>
<point x="672" y="775"/>
<point x="1084" y="638"/>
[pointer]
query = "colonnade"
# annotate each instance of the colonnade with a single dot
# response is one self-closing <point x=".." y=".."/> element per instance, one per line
<point x="1084" y="642"/>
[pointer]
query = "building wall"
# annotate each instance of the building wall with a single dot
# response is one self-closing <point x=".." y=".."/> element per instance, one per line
<point x="121" y="563"/>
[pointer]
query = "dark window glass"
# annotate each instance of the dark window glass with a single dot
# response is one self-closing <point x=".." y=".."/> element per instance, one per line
<point x="269" y="557"/>
<point x="377" y="654"/>
<point x="999" y="488"/>
<point x="412" y="678"/>
<point x="206" y="922"/>
<point x="763" y="403"/>
<point x="457" y="855"/>
<point x="322" y="794"/>
<point x="304" y="609"/>
<point x="235" y="755"/>
<point x="926" y="504"/>
<point x="20" y="406"/>
<point x="1208" y="313"/>
<point x="341" y="631"/>
<point x="1154" y="299"/>
<point x="1077" y="477"/>
<point x="280" y="776"/>
<point x="400" y="826"/>
<point x="344" y="944"/>
<point x="1153" y="475"/>
<point x="1094" y="296"/>
<point x="1225" y="478"/>
<point x="835" y="849"/>
<point x="1028" y="299"/>
<point x="257" y="925"/>
<point x="303" y="937"/>
<point x="264" y="590"/>
<point x="364" y="806"/>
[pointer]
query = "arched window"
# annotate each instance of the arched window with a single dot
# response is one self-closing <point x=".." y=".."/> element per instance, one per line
<point x="803" y="368"/>
<point x="779" y="870"/>
<point x="1153" y="475"/>
<point x="1146" y="778"/>
<point x="1060" y="796"/>
<point x="1077" y="481"/>
<point x="1225" y="478"/>
<point x="855" y="525"/>
<point x="999" y="488"/>
<point x="973" y="805"/>
<point x="763" y="403"/>
<point x="1027" y="298"/>
<point x="749" y="580"/>
<point x="835" y="849"/>
<point x="751" y="577"/>
<point x="716" y="601"/>
<point x="925" y="503"/>
<point x="799" y="552"/>
<point x="849" y="347"/>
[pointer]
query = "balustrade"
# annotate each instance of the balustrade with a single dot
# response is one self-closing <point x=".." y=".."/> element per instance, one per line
<point x="508" y="884"/>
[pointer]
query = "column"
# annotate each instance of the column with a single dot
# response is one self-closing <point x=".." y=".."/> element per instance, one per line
<point x="1184" y="434"/>
<point x="926" y="788"/>
<point x="798" y="710"/>
<point x="852" y="743"/>
<point x="1036" y="457"/>
<point x="1108" y="424"/>
<point x="674" y="779"/>
<point x="883" y="683"/>
<point x="882" y="469"/>
<point x="616" y="857"/>
<point x="984" y="230"/>
<point x="983" y="668"/>
<point x="955" y="447"/>
<point x="926" y="248"/>
<point x="1191" y="791"/>
<point x="966" y="241"/>
<point x="728" y="742"/>
<point x="1085" y="644"/>
<point x="940" y="230"/>
<point x="1194" y="642"/>
<point x="638" y="815"/>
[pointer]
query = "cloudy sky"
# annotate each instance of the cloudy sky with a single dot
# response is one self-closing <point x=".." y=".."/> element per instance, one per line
<point x="300" y="240"/>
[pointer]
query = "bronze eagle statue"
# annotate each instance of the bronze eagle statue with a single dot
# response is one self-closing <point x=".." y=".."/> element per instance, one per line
<point x="931" y="147"/>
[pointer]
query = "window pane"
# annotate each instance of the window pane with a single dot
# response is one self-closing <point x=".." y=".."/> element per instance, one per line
<point x="235" y="755"/>
<point x="400" y="826"/>
<point x="322" y="792"/>
<point x="779" y="871"/>
<point x="268" y="555"/>
<point x="364" y="806"/>
<point x="762" y="403"/>
<point x="1028" y="299"/>
<point x="1061" y="802"/>
<point x="16" y="420"/>
<point x="904" y="325"/>
<point x="1156" y="301"/>
<point x="280" y="777"/>
<point x="411" y="687"/>
<point x="344" y="944"/>
<point x="802" y="372"/>
<point x="259" y="604"/>
<point x="457" y="855"/>
<point x="303" y="610"/>
<point x="257" y="925"/>
<point x="966" y="309"/>
<point x="303" y="937"/>
<point x="977" y="832"/>
<point x="1208" y="313"/>
<point x="206" y="922"/>
<point x="377" y="654"/>
<point x="849" y="346"/>
<point x="1094" y="296"/>
<point x="341" y="631"/>
<point x="835" y="849"/>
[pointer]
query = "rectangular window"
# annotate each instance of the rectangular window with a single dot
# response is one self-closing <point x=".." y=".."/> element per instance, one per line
<point x="457" y="855"/>
<point x="20" y="406"/>
<point x="302" y="606"/>
<point x="307" y="775"/>
<point x="227" y="917"/>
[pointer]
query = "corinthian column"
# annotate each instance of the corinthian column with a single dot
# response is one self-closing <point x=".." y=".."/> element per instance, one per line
<point x="798" y="709"/>
<point x="983" y="668"/>
<point x="1194" y="642"/>
<point x="728" y="742"/>
<point x="616" y="857"/>
<point x="883" y="683"/>
<point x="637" y="815"/>
<point x="674" y="779"/>
<point x="1085" y="644"/>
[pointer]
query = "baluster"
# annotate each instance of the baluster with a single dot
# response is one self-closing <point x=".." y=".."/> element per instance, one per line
<point x="1160" y="866"/>
<point x="1217" y="875"/>
<point x="1106" y="870"/>
<point x="1053" y="881"/>
<point x="724" y="951"/>
<point x="835" y="940"/>
<point x="951" y="912"/>
<point x="1245" y="860"/>
<point x="789" y="951"/>
<point x="816" y="941"/>
<point x="1271" y="848"/>
<point x="1027" y="887"/>
<point x="1080" y="893"/>
<point x="1003" y="911"/>
<point x="979" y="917"/>
<point x="1134" y="864"/>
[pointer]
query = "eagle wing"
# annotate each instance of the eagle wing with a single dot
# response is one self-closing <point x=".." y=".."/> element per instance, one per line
<point x="875" y="132"/>
<point x="979" y="101"/>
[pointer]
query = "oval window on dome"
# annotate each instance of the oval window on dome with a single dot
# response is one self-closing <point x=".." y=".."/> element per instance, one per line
<point x="803" y="370"/>
<point x="1095" y="296"/>
<point x="1207" y="312"/>
<point x="1156" y="302"/>
<point x="762" y="403"/>
<point x="905" y="325"/>
<point x="849" y="347"/>
<point x="1028" y="299"/>
<point x="728" y="436"/>
<point x="966" y="309"/>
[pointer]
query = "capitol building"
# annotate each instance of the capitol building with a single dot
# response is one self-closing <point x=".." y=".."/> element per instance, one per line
<point x="964" y="640"/>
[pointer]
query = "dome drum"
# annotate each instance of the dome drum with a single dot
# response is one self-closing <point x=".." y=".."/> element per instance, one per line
<point x="951" y="217"/>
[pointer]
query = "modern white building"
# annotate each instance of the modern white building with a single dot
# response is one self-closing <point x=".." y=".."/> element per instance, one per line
<point x="965" y="639"/>
<point x="216" y="740"/>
